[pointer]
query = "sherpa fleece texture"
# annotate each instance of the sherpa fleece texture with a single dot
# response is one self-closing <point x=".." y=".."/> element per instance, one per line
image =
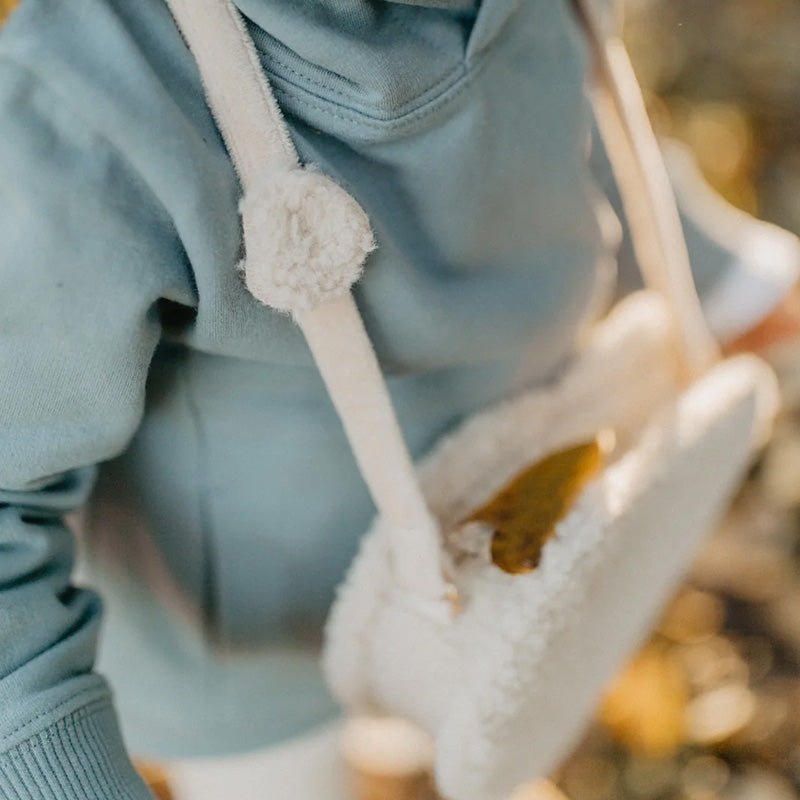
<point x="227" y="506"/>
<point x="307" y="239"/>
<point x="505" y="686"/>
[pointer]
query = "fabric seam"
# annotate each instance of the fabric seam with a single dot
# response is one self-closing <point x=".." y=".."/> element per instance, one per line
<point x="398" y="124"/>
<point x="457" y="70"/>
<point x="210" y="608"/>
<point x="399" y="24"/>
<point x="446" y="90"/>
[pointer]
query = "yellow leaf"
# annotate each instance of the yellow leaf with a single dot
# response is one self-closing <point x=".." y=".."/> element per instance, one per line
<point x="523" y="514"/>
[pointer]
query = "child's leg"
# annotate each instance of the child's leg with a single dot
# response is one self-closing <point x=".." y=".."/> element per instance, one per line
<point x="307" y="767"/>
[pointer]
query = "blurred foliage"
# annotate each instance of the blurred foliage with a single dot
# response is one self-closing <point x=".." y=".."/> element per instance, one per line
<point x="710" y="707"/>
<point x="724" y="76"/>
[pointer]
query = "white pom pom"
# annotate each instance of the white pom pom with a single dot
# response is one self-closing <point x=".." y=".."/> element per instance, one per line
<point x="306" y="240"/>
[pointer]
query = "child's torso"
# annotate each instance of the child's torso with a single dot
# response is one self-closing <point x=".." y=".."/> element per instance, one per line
<point x="463" y="131"/>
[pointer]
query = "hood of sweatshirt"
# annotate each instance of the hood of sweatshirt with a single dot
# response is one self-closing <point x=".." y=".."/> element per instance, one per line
<point x="379" y="57"/>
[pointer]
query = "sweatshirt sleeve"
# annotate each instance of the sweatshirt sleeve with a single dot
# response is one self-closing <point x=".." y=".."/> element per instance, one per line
<point x="743" y="267"/>
<point x="86" y="255"/>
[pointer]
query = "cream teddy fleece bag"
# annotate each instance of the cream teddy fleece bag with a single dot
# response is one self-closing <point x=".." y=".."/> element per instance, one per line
<point x="509" y="574"/>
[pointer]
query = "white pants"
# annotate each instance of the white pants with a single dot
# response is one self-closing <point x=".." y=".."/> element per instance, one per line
<point x="308" y="768"/>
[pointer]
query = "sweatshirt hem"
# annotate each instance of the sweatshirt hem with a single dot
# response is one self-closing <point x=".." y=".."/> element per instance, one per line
<point x="80" y="756"/>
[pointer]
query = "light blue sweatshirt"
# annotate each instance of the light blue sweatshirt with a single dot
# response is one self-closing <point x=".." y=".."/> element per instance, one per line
<point x="226" y="504"/>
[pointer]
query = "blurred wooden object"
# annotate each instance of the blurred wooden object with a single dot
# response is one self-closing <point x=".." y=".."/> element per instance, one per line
<point x="539" y="790"/>
<point x="388" y="759"/>
<point x="156" y="779"/>
<point x="6" y="7"/>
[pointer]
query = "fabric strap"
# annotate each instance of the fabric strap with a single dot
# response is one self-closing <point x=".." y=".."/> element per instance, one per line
<point x="647" y="196"/>
<point x="249" y="118"/>
<point x="260" y="146"/>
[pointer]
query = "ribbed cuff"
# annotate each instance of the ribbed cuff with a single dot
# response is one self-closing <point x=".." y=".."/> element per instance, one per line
<point x="80" y="757"/>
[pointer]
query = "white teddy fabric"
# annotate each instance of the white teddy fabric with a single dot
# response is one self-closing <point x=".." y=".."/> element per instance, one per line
<point x="505" y="686"/>
<point x="307" y="239"/>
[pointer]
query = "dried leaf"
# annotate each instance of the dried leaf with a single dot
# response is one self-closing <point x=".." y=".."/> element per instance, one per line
<point x="646" y="707"/>
<point x="523" y="514"/>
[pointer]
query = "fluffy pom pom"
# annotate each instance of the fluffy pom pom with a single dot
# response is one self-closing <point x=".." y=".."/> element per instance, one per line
<point x="306" y="240"/>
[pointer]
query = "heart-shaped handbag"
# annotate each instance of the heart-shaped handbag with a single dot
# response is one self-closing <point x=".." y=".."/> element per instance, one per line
<point x="501" y="666"/>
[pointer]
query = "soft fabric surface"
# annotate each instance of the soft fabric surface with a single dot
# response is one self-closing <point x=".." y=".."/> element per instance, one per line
<point x="506" y="686"/>
<point x="139" y="370"/>
<point x="306" y="768"/>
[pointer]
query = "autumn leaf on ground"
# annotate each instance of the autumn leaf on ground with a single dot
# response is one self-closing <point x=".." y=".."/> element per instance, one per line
<point x="646" y="707"/>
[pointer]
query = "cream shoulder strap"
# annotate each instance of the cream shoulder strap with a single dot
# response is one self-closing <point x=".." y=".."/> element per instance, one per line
<point x="306" y="241"/>
<point x="647" y="196"/>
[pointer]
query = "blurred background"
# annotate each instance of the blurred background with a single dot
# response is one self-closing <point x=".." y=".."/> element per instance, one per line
<point x="710" y="707"/>
<point x="724" y="76"/>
